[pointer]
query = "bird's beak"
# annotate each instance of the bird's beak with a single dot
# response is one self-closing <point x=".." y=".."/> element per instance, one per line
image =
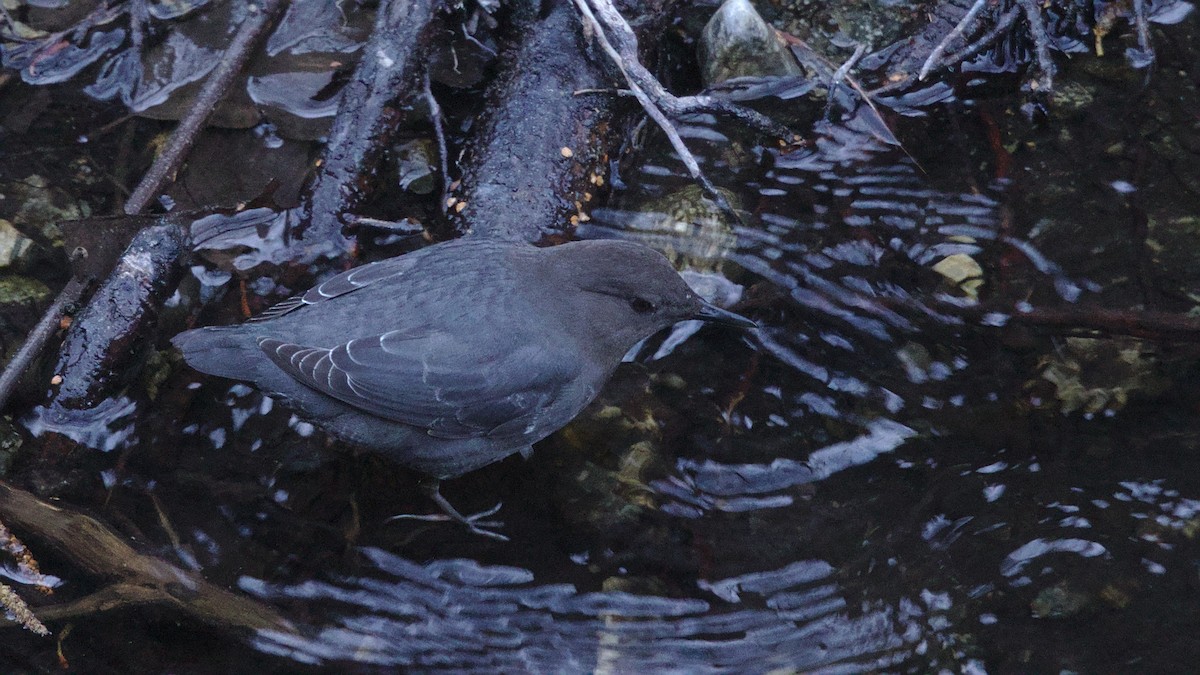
<point x="709" y="312"/>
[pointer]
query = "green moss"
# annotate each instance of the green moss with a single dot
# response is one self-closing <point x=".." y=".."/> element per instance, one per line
<point x="16" y="290"/>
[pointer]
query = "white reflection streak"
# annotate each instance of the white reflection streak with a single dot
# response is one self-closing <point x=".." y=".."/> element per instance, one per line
<point x="466" y="617"/>
<point x="1018" y="559"/>
<point x="736" y="480"/>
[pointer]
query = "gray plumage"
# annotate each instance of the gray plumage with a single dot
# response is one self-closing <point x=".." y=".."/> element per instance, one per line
<point x="457" y="355"/>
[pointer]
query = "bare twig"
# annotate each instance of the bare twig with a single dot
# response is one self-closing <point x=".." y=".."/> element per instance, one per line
<point x="1004" y="23"/>
<point x="621" y="45"/>
<point x="206" y="101"/>
<point x="967" y="21"/>
<point x="37" y="337"/>
<point x="1143" y="324"/>
<point x="639" y="79"/>
<point x="1142" y="23"/>
<point x="989" y="38"/>
<point x="841" y="73"/>
<point x="435" y="116"/>
<point x="1041" y="42"/>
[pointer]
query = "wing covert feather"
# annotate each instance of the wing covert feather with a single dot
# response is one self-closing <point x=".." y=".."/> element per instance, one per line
<point x="434" y="381"/>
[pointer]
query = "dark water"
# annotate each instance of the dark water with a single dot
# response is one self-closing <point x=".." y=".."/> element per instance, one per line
<point x="890" y="474"/>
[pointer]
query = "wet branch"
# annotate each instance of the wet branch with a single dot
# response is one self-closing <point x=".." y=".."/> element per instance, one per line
<point x="435" y="116"/>
<point x="393" y="60"/>
<point x="1044" y="83"/>
<point x="1142" y="324"/>
<point x="968" y="21"/>
<point x="539" y="153"/>
<point x="214" y="89"/>
<point x="989" y="38"/>
<point x="1147" y="325"/>
<point x="137" y="579"/>
<point x="37" y="338"/>
<point x="619" y="43"/>
<point x="94" y="360"/>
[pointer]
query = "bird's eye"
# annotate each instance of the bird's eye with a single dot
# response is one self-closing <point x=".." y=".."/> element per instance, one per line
<point x="641" y="305"/>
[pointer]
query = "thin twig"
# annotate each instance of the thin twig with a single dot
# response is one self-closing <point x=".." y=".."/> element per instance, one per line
<point x="1041" y="42"/>
<point x="650" y="106"/>
<point x="1142" y="23"/>
<point x="1004" y="23"/>
<point x="435" y="116"/>
<point x="214" y="89"/>
<point x="967" y="21"/>
<point x="841" y="73"/>
<point x="38" y="336"/>
<point x="616" y="31"/>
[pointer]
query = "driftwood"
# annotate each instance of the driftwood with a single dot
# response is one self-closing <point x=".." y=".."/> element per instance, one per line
<point x="391" y="68"/>
<point x="164" y="167"/>
<point x="134" y="578"/>
<point x="100" y="351"/>
<point x="540" y="150"/>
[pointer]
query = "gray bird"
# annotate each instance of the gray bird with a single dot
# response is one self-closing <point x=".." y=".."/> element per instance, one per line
<point x="459" y="354"/>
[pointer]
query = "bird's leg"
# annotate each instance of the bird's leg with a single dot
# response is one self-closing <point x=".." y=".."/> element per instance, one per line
<point x="472" y="522"/>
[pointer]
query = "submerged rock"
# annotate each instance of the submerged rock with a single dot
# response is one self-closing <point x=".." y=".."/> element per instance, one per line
<point x="737" y="42"/>
<point x="16" y="290"/>
<point x="34" y="205"/>
<point x="685" y="224"/>
<point x="1091" y="375"/>
<point x="13" y="244"/>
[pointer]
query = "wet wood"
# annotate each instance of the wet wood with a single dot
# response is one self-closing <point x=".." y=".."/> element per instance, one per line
<point x="37" y="338"/>
<point x="215" y="87"/>
<point x="541" y="147"/>
<point x="98" y="356"/>
<point x="390" y="72"/>
<point x="136" y="578"/>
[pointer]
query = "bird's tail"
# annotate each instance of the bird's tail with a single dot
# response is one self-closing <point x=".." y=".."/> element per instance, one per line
<point x="225" y="351"/>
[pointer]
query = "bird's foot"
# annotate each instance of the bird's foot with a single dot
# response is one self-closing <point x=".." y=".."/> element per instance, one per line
<point x="475" y="522"/>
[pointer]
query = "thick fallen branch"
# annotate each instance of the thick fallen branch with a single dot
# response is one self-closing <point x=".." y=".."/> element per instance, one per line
<point x="37" y="338"/>
<point x="387" y="78"/>
<point x="540" y="152"/>
<point x="95" y="361"/>
<point x="137" y="579"/>
<point x="393" y="61"/>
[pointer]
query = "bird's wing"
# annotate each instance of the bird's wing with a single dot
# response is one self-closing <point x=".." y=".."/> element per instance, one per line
<point x="448" y="387"/>
<point x="347" y="281"/>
